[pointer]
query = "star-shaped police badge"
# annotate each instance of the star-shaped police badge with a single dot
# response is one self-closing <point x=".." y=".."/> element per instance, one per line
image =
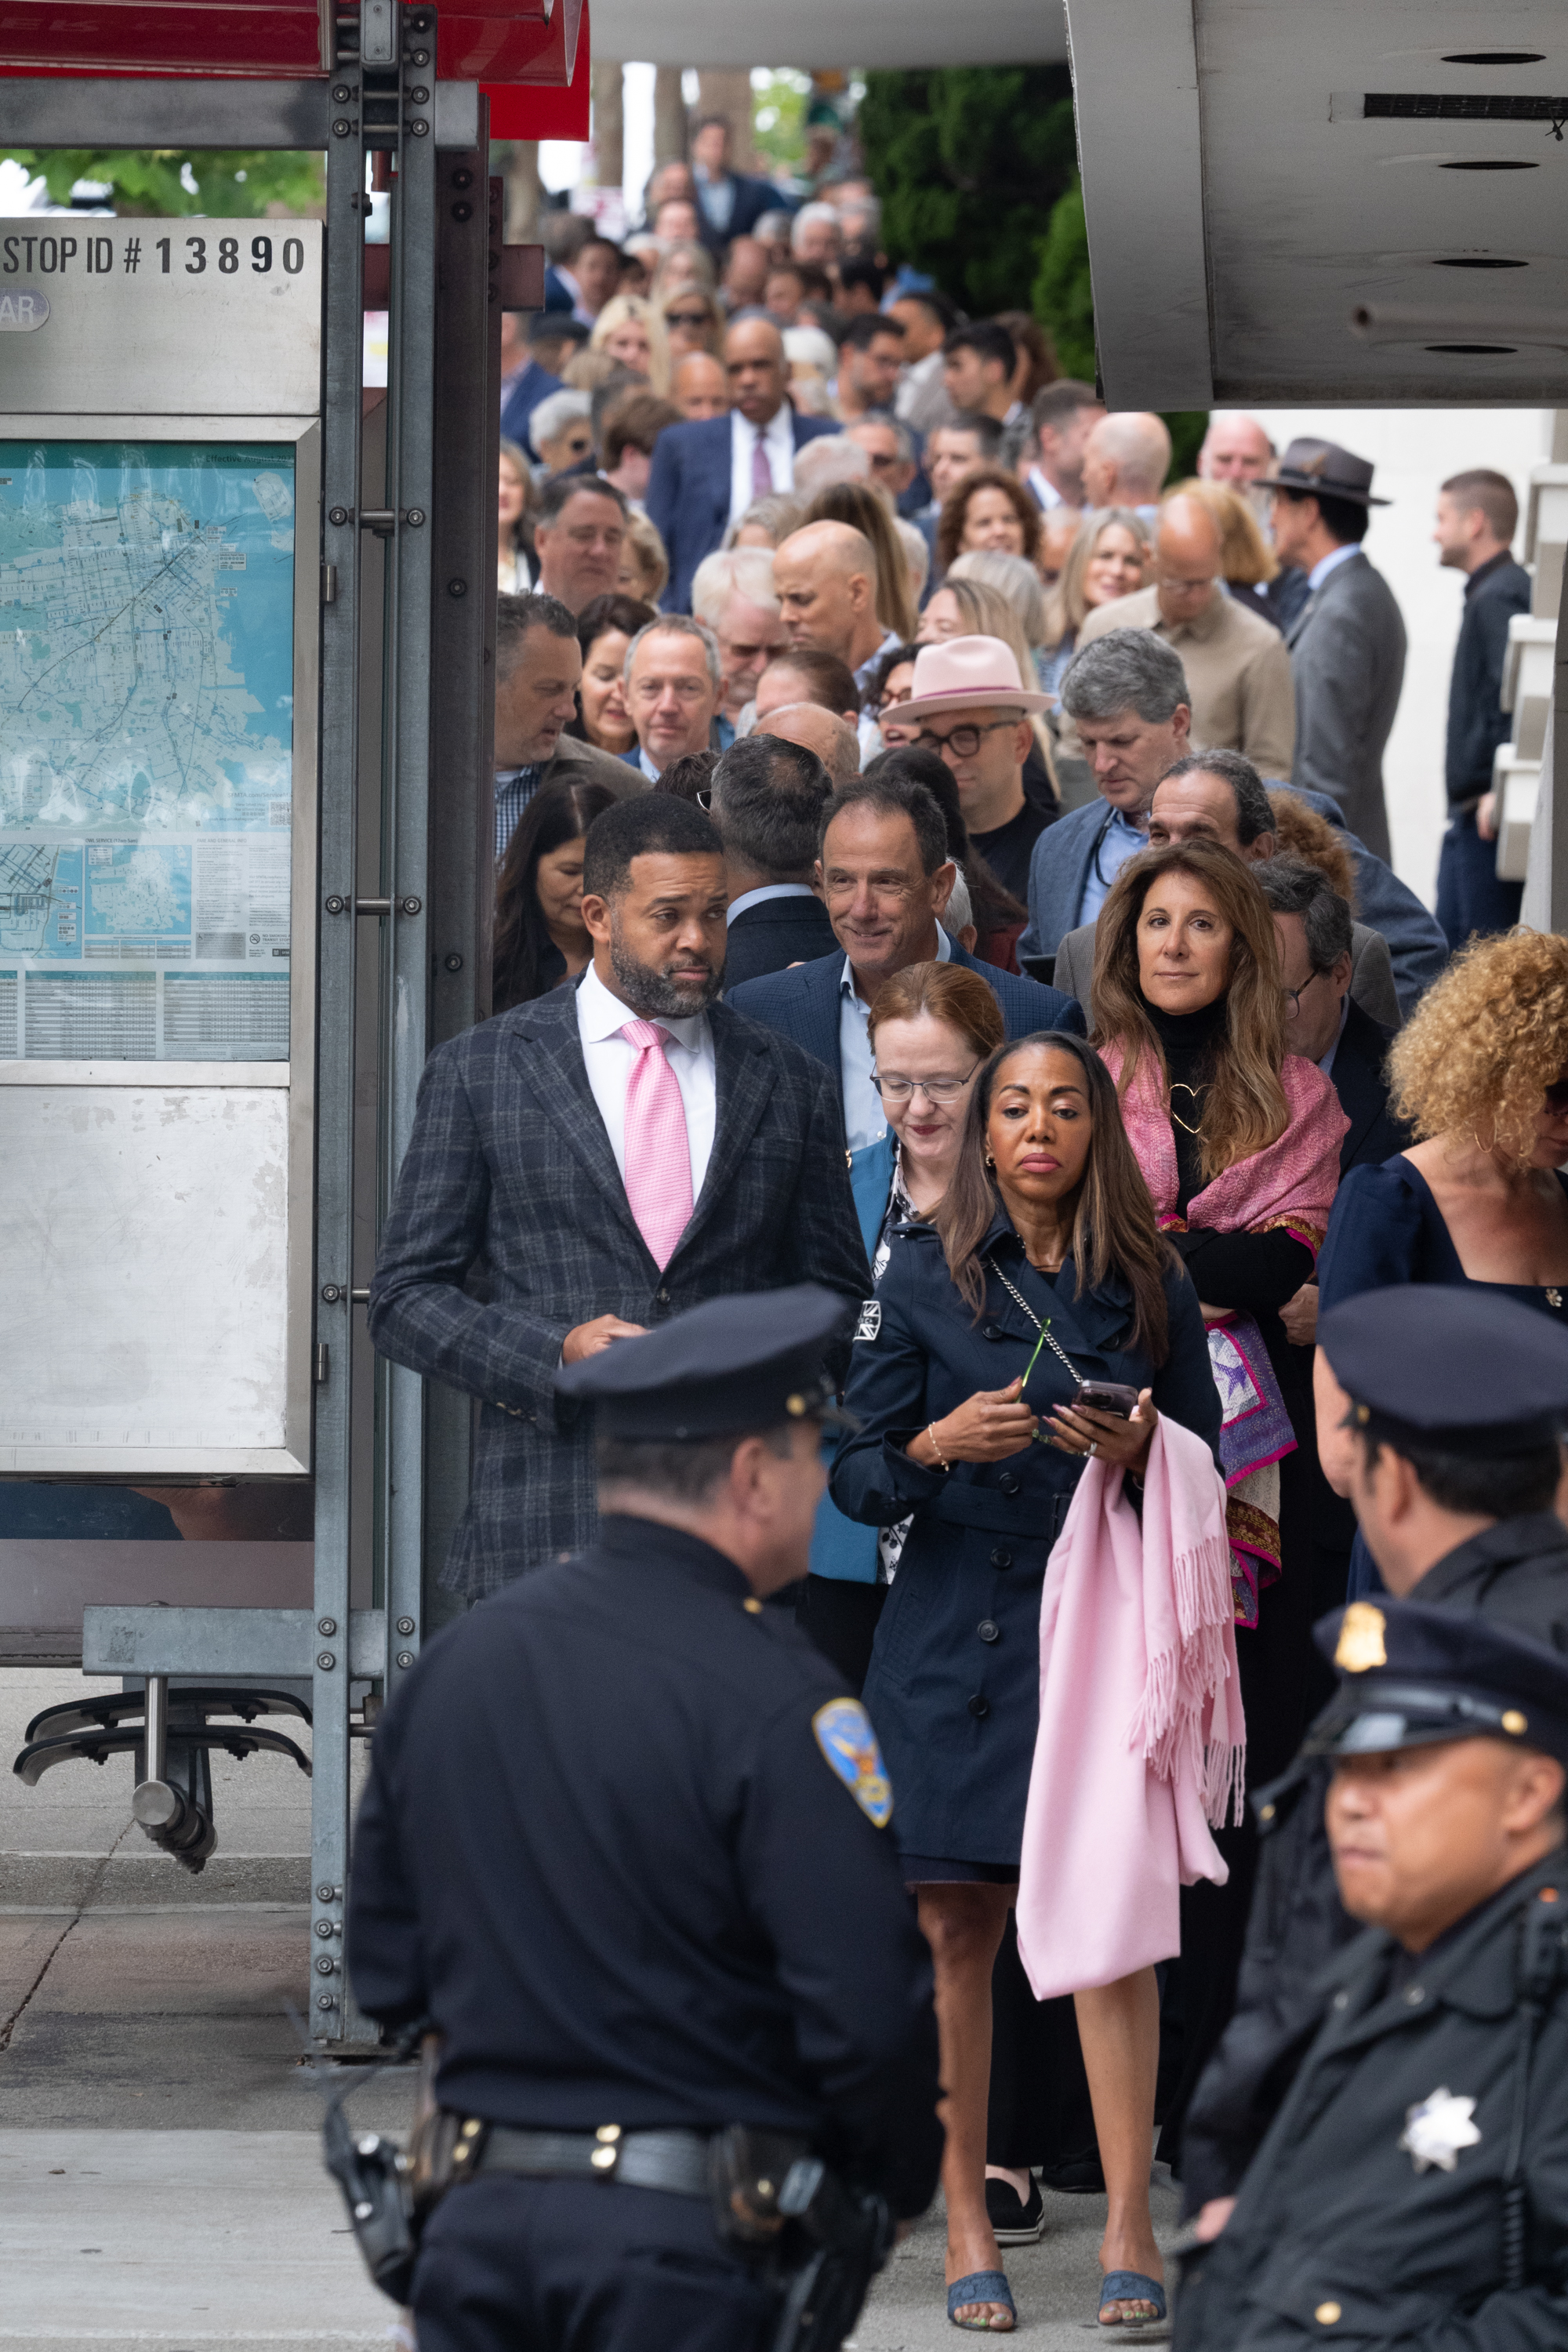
<point x="1437" y="2128"/>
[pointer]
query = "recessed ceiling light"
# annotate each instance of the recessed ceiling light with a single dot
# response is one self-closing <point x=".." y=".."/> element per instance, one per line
<point x="1475" y="261"/>
<point x="1490" y="164"/>
<point x="1495" y="58"/>
<point x="1503" y="350"/>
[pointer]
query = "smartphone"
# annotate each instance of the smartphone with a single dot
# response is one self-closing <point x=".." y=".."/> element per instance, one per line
<point x="1108" y="1396"/>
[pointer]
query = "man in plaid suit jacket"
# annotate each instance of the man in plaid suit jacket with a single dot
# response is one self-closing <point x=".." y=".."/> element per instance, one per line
<point x="511" y="1168"/>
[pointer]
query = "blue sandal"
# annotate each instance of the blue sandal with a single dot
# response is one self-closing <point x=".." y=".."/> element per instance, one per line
<point x="1132" y="2286"/>
<point x="980" y="2286"/>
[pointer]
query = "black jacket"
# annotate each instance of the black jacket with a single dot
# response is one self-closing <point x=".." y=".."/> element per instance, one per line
<point x="611" y="1849"/>
<point x="1360" y="1082"/>
<point x="1477" y="722"/>
<point x="776" y="934"/>
<point x="1517" y="1572"/>
<point x="1339" y="2237"/>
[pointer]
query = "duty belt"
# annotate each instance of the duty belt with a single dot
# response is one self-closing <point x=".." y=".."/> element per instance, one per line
<point x="673" y="2161"/>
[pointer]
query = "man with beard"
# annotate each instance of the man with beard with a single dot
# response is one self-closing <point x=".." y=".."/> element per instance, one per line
<point x="607" y="1155"/>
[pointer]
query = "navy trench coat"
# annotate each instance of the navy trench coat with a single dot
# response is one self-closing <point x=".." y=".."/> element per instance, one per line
<point x="954" y="1688"/>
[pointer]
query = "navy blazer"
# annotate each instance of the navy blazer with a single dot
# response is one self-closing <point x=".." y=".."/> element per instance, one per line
<point x="1360" y="1083"/>
<point x="803" y="1004"/>
<point x="509" y="1225"/>
<point x="954" y="1688"/>
<point x="687" y="496"/>
<point x="534" y="385"/>
<point x="774" y="934"/>
<point x="1063" y="855"/>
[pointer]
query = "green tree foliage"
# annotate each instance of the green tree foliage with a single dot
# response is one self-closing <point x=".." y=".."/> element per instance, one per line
<point x="976" y="168"/>
<point x="143" y="183"/>
<point x="968" y="161"/>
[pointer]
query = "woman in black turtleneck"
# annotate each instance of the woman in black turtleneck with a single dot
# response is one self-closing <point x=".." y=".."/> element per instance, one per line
<point x="1188" y="1010"/>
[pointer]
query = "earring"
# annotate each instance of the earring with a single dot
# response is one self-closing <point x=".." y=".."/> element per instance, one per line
<point x="989" y="1161"/>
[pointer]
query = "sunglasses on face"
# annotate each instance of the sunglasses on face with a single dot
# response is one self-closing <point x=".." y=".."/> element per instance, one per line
<point x="685" y="318"/>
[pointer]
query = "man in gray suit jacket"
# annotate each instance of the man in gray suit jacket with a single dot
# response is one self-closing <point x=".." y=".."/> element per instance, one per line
<point x="531" y="1223"/>
<point x="1219" y="797"/>
<point x="1347" y="643"/>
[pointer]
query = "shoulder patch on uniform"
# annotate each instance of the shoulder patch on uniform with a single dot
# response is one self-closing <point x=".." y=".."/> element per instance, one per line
<point x="845" y="1735"/>
<point x="870" y="1321"/>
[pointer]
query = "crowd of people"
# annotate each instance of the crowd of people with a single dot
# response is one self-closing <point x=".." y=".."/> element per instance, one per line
<point x="944" y="861"/>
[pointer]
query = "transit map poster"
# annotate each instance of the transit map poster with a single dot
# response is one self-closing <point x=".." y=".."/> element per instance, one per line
<point x="146" y="743"/>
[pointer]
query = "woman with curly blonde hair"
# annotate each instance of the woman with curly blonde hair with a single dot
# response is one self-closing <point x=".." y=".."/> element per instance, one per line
<point x="1480" y="1073"/>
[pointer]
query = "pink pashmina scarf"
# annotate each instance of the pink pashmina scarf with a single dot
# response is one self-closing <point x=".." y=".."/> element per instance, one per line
<point x="1141" y="1745"/>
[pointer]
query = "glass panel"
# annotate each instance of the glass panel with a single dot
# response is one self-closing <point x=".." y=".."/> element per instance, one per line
<point x="146" y="749"/>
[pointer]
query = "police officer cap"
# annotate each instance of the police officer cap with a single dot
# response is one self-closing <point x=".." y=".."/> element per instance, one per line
<point x="1411" y="1676"/>
<point x="746" y="1362"/>
<point x="1451" y="1369"/>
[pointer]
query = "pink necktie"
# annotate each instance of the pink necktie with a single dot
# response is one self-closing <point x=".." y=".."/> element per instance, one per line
<point x="658" y="1154"/>
<point x="762" y="472"/>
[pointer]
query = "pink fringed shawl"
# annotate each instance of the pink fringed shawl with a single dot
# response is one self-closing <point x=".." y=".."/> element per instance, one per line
<point x="1291" y="1182"/>
<point x="1142" y="1745"/>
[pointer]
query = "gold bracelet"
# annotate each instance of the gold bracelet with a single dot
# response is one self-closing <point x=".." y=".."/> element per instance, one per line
<point x="942" y="1462"/>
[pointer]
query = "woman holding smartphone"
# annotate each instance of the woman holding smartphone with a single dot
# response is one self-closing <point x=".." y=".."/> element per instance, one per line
<point x="1041" y="1271"/>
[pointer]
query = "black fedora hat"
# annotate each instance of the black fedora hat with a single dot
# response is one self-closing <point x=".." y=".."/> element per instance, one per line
<point x="1323" y="467"/>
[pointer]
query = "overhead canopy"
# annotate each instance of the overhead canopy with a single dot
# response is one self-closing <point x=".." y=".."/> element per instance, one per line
<point x="1350" y="201"/>
<point x="827" y="32"/>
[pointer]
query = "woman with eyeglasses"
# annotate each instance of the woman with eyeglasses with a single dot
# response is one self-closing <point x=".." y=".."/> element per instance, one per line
<point x="930" y="1027"/>
<point x="1041" y="1268"/>
<point x="1480" y="1074"/>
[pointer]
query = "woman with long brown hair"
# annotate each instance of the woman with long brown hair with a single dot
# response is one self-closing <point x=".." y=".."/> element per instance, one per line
<point x="1042" y="1269"/>
<point x="541" y="938"/>
<point x="1238" y="1142"/>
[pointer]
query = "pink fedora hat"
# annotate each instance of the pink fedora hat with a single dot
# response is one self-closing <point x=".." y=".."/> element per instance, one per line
<point x="956" y="671"/>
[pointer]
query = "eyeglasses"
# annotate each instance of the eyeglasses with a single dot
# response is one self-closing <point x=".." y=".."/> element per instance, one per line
<point x="964" y="740"/>
<point x="1293" y="996"/>
<point x="1183" y="587"/>
<point x="935" y="1090"/>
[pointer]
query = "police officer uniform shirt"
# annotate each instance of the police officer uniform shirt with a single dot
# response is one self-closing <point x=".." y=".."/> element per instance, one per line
<point x="625" y="1838"/>
<point x="1377" y="2211"/>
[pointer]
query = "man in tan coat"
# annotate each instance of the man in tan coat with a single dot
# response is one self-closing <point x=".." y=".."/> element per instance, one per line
<point x="1238" y="670"/>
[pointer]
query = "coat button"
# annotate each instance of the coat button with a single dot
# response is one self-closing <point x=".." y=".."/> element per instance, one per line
<point x="1414" y="1997"/>
<point x="1327" y="2315"/>
<point x="988" y="1630"/>
<point x="994" y="1331"/>
<point x="1008" y="1483"/>
<point x="1000" y="1558"/>
<point x="979" y="1705"/>
<point x="664" y="1299"/>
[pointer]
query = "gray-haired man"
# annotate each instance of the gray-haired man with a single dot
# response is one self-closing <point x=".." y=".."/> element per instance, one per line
<point x="674" y="677"/>
<point x="538" y="665"/>
<point x="1127" y="693"/>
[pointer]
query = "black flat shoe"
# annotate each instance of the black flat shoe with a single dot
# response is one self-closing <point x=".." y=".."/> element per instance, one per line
<point x="1014" y="2222"/>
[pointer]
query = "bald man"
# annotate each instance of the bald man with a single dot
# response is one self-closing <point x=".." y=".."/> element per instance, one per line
<point x="1238" y="670"/>
<point x="707" y="473"/>
<point x="816" y="729"/>
<point x="700" y="388"/>
<point x="1125" y="459"/>
<point x="1236" y="450"/>
<point x="825" y="578"/>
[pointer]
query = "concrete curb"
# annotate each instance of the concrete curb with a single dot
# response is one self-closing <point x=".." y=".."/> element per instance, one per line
<point x="139" y="1880"/>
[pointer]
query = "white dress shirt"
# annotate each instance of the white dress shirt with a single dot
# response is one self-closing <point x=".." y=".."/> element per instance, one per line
<point x="1329" y="562"/>
<point x="1047" y="494"/>
<point x="778" y="440"/>
<point x="610" y="1059"/>
<point x="863" y="1117"/>
<point x="764" y="892"/>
